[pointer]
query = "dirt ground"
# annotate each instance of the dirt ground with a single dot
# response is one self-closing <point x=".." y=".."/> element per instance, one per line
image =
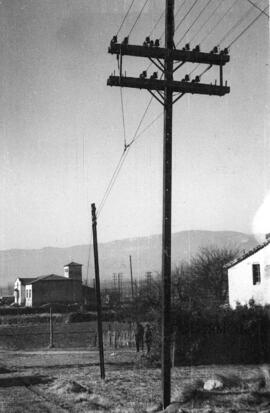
<point x="69" y="381"/>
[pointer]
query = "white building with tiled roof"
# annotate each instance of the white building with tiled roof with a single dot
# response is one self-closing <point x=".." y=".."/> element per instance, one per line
<point x="52" y="288"/>
<point x="249" y="277"/>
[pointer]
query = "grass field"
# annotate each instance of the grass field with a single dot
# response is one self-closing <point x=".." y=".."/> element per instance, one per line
<point x="69" y="381"/>
<point x="37" y="336"/>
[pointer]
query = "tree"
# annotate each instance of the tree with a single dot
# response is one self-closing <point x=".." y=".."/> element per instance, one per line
<point x="148" y="297"/>
<point x="209" y="274"/>
<point x="204" y="282"/>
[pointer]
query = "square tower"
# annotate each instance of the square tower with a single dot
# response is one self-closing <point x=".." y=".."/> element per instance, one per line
<point x="73" y="270"/>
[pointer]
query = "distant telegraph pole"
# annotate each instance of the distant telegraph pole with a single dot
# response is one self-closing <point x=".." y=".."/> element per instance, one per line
<point x="164" y="91"/>
<point x="131" y="277"/>
<point x="98" y="297"/>
<point x="120" y="286"/>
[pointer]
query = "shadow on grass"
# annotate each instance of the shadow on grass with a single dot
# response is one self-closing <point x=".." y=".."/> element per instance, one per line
<point x="4" y="370"/>
<point x="15" y="381"/>
<point x="118" y="365"/>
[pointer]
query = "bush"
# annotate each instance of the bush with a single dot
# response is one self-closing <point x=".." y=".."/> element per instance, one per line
<point x="224" y="336"/>
<point x="80" y="317"/>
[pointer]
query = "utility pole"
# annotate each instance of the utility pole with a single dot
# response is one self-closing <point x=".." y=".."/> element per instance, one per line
<point x="120" y="286"/>
<point x="98" y="298"/>
<point x="163" y="90"/>
<point x="51" y="345"/>
<point x="167" y="201"/>
<point x="131" y="277"/>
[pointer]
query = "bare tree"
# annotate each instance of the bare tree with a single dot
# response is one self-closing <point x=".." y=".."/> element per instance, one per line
<point x="204" y="281"/>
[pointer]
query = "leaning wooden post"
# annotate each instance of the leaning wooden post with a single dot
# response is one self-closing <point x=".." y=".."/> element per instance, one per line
<point x="98" y="298"/>
<point x="51" y="345"/>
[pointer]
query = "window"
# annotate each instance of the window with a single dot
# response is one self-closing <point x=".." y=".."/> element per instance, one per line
<point x="256" y="274"/>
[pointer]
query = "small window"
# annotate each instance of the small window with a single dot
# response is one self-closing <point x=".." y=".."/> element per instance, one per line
<point x="256" y="273"/>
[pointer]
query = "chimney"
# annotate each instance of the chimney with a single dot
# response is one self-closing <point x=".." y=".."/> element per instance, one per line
<point x="267" y="236"/>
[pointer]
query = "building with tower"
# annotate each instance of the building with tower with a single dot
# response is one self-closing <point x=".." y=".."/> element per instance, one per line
<point x="52" y="288"/>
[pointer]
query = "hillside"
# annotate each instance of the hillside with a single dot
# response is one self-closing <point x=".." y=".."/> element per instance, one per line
<point x="114" y="256"/>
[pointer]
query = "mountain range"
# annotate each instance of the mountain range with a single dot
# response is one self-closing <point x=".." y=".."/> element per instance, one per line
<point x="114" y="255"/>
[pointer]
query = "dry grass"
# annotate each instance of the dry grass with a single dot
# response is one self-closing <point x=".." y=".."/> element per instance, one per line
<point x="126" y="389"/>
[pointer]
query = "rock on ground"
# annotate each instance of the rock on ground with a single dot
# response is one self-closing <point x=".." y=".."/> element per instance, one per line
<point x="213" y="384"/>
<point x="174" y="408"/>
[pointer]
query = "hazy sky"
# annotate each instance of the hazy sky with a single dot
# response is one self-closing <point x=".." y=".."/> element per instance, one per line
<point x="62" y="135"/>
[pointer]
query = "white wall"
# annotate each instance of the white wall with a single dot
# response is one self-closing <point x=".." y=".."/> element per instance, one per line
<point x="28" y="295"/>
<point x="21" y="292"/>
<point x="240" y="278"/>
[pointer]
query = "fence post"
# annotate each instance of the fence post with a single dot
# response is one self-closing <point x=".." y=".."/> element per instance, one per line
<point x="115" y="339"/>
<point x="51" y="345"/>
<point x="173" y="348"/>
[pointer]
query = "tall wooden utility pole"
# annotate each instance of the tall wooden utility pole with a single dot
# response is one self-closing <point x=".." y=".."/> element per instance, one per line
<point x="167" y="201"/>
<point x="98" y="297"/>
<point x="163" y="90"/>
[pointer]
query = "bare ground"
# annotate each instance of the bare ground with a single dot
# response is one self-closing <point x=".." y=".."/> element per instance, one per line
<point x="69" y="381"/>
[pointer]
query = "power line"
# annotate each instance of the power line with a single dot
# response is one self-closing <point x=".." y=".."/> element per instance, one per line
<point x="124" y="19"/>
<point x="110" y="183"/>
<point x="237" y="23"/>
<point x="139" y="15"/>
<point x="196" y="19"/>
<point x="121" y="160"/>
<point x="141" y="121"/>
<point x="250" y="24"/>
<point x="218" y="22"/>
<point x="257" y="7"/>
<point x="148" y="126"/>
<point x="127" y="148"/>
<point x="176" y="14"/>
<point x="123" y="116"/>
<point x="206" y="21"/>
<point x="204" y="71"/>
<point x="162" y="34"/>
<point x="113" y="179"/>
<point x="189" y="10"/>
<point x="155" y="25"/>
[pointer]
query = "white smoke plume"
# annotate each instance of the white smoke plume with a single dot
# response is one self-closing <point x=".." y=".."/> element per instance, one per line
<point x="261" y="221"/>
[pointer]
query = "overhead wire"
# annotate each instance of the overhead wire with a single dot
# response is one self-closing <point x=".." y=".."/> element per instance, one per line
<point x="194" y="21"/>
<point x="247" y="27"/>
<point x="123" y="116"/>
<point x="185" y="16"/>
<point x="229" y="31"/>
<point x="122" y="159"/>
<point x="137" y="135"/>
<point x="219" y="21"/>
<point x="155" y="25"/>
<point x="206" y="21"/>
<point x="236" y="24"/>
<point x="107" y="191"/>
<point x="138" y="17"/>
<point x="162" y="34"/>
<point x="176" y="14"/>
<point x="257" y="7"/>
<point x="125" y="17"/>
<point x="141" y="121"/>
<point x="211" y="31"/>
